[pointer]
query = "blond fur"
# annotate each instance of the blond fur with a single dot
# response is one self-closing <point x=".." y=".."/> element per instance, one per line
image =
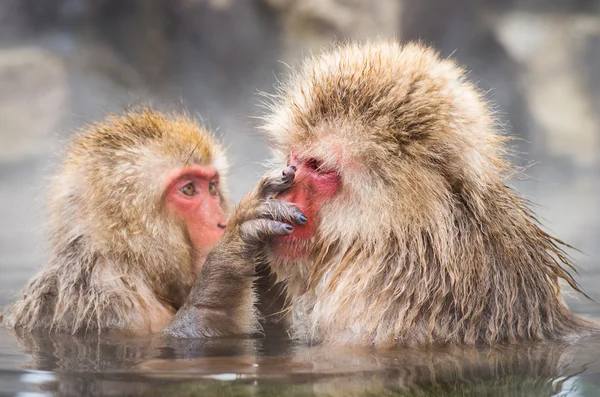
<point x="117" y="259"/>
<point x="425" y="242"/>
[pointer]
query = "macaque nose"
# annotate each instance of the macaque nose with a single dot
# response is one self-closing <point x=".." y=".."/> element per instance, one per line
<point x="223" y="222"/>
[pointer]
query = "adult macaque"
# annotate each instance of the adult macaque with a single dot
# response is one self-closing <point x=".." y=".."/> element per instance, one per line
<point x="133" y="212"/>
<point x="413" y="236"/>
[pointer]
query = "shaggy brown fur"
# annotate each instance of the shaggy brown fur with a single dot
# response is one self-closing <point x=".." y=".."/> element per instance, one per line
<point x="425" y="242"/>
<point x="421" y="242"/>
<point x="118" y="260"/>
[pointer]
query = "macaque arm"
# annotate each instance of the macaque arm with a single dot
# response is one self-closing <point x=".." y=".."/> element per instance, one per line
<point x="222" y="302"/>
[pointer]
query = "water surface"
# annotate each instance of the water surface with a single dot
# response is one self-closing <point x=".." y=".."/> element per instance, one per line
<point x="39" y="365"/>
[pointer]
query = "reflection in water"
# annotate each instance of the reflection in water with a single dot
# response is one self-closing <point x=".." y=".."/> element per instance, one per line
<point x="91" y="365"/>
<point x="273" y="366"/>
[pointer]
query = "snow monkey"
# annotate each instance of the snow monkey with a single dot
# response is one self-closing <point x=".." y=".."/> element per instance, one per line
<point x="399" y="226"/>
<point x="134" y="210"/>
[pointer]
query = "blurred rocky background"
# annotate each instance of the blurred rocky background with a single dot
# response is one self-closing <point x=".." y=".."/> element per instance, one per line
<point x="64" y="63"/>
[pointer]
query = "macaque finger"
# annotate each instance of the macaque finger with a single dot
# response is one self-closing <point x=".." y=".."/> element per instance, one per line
<point x="281" y="211"/>
<point x="263" y="230"/>
<point x="272" y="184"/>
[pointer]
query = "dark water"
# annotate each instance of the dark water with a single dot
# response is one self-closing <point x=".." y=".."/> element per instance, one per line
<point x="40" y="365"/>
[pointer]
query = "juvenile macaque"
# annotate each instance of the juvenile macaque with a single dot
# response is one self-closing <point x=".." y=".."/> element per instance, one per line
<point x="409" y="234"/>
<point x="133" y="212"/>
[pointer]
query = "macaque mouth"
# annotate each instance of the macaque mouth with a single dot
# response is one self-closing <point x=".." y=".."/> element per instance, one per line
<point x="291" y="239"/>
<point x="292" y="247"/>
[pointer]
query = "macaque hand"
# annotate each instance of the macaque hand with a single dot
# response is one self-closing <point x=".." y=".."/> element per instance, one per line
<point x="222" y="299"/>
<point x="260" y="216"/>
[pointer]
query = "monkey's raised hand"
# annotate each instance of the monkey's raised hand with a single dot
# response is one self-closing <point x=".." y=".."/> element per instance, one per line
<point x="260" y="217"/>
<point x="222" y="300"/>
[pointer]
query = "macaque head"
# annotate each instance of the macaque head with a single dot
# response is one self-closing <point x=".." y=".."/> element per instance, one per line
<point x="148" y="187"/>
<point x="386" y="140"/>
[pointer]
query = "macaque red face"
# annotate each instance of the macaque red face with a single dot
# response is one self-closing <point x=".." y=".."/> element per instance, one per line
<point x="313" y="186"/>
<point x="193" y="194"/>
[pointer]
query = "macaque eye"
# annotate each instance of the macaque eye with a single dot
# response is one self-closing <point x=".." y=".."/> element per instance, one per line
<point x="188" y="189"/>
<point x="316" y="165"/>
<point x="313" y="164"/>
<point x="212" y="188"/>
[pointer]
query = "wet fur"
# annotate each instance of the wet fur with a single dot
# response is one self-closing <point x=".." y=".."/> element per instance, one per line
<point x="425" y="242"/>
<point x="117" y="259"/>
